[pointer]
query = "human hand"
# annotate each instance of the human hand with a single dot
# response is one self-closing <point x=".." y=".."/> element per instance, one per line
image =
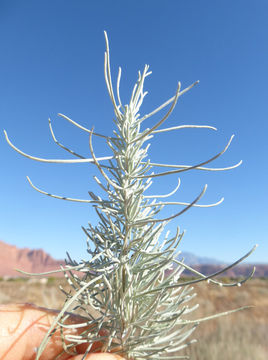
<point x="22" y="328"/>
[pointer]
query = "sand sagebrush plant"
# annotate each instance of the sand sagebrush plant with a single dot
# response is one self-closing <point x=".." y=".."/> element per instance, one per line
<point x="129" y="290"/>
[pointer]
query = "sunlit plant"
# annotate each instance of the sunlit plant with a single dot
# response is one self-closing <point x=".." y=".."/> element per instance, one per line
<point x="129" y="290"/>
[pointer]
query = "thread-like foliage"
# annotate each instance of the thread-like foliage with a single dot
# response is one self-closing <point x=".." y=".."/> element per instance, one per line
<point x="129" y="291"/>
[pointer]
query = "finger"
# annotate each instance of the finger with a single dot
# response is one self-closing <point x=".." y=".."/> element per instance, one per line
<point x="22" y="328"/>
<point x="100" y="356"/>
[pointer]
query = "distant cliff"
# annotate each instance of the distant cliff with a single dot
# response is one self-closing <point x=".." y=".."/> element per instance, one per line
<point x="35" y="261"/>
<point x="25" y="259"/>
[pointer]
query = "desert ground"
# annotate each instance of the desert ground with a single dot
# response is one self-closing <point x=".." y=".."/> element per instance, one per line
<point x="239" y="336"/>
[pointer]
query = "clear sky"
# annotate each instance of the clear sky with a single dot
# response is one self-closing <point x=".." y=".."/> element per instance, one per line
<point x="51" y="61"/>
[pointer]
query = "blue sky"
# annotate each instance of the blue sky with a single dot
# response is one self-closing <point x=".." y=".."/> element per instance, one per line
<point x="52" y="62"/>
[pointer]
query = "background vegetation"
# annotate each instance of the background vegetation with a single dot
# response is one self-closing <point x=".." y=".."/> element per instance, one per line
<point x="240" y="336"/>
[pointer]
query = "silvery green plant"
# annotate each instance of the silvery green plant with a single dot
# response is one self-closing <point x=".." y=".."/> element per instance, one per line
<point x="129" y="290"/>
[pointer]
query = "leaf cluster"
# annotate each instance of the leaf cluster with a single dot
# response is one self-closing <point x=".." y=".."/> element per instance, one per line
<point x="129" y="291"/>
